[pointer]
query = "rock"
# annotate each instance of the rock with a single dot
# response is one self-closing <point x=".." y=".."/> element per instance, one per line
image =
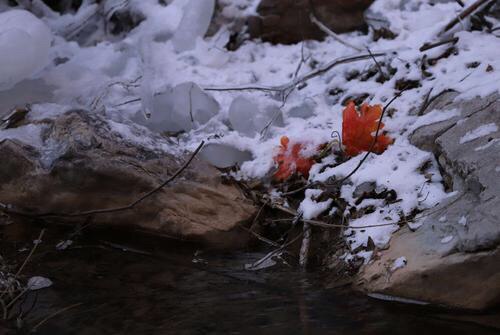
<point x="83" y="165"/>
<point x="287" y="21"/>
<point x="453" y="258"/>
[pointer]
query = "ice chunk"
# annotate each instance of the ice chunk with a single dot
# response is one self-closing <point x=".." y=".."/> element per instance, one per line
<point x="182" y="108"/>
<point x="247" y="119"/>
<point x="223" y="156"/>
<point x="194" y="23"/>
<point x="303" y="111"/>
<point x="37" y="283"/>
<point x="241" y="116"/>
<point x="25" y="92"/>
<point x="25" y="42"/>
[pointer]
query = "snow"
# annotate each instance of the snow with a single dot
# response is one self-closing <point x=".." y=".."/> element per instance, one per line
<point x="155" y="82"/>
<point x="310" y="208"/>
<point x="479" y="132"/>
<point x="463" y="220"/>
<point x="399" y="263"/>
<point x="447" y="239"/>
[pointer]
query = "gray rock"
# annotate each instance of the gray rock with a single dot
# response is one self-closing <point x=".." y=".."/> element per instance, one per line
<point x="454" y="257"/>
<point x="92" y="167"/>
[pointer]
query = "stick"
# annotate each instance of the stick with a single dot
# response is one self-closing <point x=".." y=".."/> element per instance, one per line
<point x="329" y="32"/>
<point x="31" y="252"/>
<point x="304" y="248"/>
<point x="39" y="324"/>
<point x="324" y="224"/>
<point x="301" y="79"/>
<point x="466" y="12"/>
<point x="115" y="209"/>
<point x="427" y="46"/>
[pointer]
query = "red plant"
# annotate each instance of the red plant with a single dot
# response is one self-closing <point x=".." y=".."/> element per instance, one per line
<point x="291" y="161"/>
<point x="358" y="129"/>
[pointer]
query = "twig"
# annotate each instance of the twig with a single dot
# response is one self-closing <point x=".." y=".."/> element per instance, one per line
<point x="314" y="19"/>
<point x="427" y="46"/>
<point x="304" y="248"/>
<point x="302" y="61"/>
<point x="324" y="224"/>
<point x="67" y="308"/>
<point x="115" y="209"/>
<point x="382" y="73"/>
<point x="285" y="88"/>
<point x="4" y="309"/>
<point x="460" y="2"/>
<point x="25" y="262"/>
<point x="257" y="235"/>
<point x="35" y="245"/>
<point x="466" y="12"/>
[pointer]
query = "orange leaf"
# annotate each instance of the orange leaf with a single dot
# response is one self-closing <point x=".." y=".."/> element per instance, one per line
<point x="358" y="129"/>
<point x="291" y="161"/>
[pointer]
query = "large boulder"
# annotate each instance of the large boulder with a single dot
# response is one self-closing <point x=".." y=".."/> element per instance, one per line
<point x="453" y="258"/>
<point x="288" y="22"/>
<point x="80" y="163"/>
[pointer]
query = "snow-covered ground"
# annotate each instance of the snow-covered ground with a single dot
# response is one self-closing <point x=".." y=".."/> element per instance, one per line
<point x="163" y="70"/>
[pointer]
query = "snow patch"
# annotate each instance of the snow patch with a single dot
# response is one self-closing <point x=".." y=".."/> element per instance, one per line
<point x="479" y="132"/>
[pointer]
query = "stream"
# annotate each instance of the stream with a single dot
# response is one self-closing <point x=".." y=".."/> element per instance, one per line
<point x="117" y="283"/>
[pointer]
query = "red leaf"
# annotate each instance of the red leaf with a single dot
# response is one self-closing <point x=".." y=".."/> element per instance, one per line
<point x="291" y="161"/>
<point x="358" y="129"/>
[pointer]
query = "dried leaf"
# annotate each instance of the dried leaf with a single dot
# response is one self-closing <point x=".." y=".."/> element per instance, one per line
<point x="358" y="129"/>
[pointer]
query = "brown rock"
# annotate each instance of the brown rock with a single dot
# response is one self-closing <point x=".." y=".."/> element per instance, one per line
<point x="83" y="165"/>
<point x="287" y="21"/>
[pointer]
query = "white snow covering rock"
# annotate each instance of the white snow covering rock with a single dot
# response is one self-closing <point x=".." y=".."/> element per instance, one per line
<point x="479" y="132"/>
<point x="25" y="42"/>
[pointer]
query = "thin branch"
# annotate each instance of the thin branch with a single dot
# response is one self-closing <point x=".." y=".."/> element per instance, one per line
<point x="427" y="46"/>
<point x="115" y="209"/>
<point x="382" y="73"/>
<point x="306" y="243"/>
<point x="282" y="89"/>
<point x="329" y="32"/>
<point x="466" y="12"/>
<point x="44" y="320"/>
<point x="35" y="245"/>
<point x="324" y="224"/>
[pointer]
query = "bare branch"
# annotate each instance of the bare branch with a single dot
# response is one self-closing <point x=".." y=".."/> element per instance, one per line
<point x="329" y="32"/>
<point x="466" y="12"/>
<point x="9" y="210"/>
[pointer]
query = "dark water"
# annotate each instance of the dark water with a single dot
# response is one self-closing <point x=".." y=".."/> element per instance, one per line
<point x="156" y="288"/>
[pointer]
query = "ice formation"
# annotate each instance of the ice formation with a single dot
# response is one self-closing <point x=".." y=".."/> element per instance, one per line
<point x="25" y="42"/>
<point x="248" y="119"/>
<point x="223" y="156"/>
<point x="182" y="108"/>
<point x="194" y="23"/>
